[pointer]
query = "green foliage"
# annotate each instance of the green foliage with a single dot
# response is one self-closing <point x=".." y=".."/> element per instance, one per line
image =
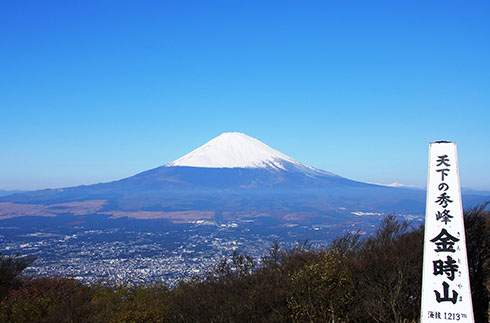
<point x="130" y="304"/>
<point x="374" y="279"/>
<point x="320" y="291"/>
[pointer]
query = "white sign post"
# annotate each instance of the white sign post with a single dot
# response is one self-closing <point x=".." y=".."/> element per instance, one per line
<point x="446" y="292"/>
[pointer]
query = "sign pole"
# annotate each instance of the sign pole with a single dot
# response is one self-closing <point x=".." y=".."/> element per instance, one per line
<point x="446" y="292"/>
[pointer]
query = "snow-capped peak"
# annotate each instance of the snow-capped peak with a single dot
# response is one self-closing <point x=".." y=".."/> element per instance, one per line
<point x="233" y="150"/>
<point x="397" y="185"/>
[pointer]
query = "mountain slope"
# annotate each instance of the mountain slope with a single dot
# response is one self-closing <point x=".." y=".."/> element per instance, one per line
<point x="232" y="174"/>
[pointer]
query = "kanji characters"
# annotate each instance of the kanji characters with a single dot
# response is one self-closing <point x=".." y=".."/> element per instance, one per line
<point x="445" y="297"/>
<point x="449" y="267"/>
<point x="444" y="215"/>
<point x="444" y="242"/>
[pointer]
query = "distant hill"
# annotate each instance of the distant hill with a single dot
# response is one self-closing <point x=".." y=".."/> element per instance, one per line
<point x="6" y="193"/>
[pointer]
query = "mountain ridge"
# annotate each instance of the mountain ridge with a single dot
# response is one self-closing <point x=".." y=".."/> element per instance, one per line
<point x="268" y="183"/>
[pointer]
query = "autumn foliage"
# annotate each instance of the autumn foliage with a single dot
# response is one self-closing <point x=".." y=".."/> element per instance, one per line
<point x="373" y="279"/>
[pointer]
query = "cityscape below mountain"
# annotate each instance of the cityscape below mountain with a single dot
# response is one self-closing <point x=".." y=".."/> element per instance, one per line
<point x="234" y="193"/>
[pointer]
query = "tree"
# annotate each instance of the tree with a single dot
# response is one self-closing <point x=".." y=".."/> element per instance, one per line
<point x="477" y="231"/>
<point x="10" y="268"/>
<point x="321" y="290"/>
<point x="386" y="271"/>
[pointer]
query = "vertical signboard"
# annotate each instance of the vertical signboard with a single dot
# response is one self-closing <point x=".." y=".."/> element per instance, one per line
<point x="446" y="292"/>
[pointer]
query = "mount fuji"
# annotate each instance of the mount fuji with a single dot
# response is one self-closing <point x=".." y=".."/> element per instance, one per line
<point x="233" y="176"/>
<point x="237" y="150"/>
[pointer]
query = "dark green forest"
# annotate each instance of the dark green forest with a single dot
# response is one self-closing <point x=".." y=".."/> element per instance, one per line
<point x="371" y="279"/>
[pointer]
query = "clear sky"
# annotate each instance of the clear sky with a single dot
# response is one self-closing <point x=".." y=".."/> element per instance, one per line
<point x="94" y="91"/>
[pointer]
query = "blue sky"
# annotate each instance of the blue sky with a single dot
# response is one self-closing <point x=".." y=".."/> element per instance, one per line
<point x="94" y="91"/>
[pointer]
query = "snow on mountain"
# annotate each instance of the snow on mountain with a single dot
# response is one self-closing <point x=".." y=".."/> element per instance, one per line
<point x="397" y="185"/>
<point x="236" y="150"/>
<point x="239" y="175"/>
